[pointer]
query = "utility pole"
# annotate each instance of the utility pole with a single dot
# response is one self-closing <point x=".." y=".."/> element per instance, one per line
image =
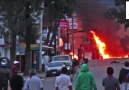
<point x="68" y="40"/>
<point x="72" y="37"/>
<point x="55" y="51"/>
<point x="40" y="51"/>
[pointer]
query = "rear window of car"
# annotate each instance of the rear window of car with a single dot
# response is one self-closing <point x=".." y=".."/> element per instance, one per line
<point x="53" y="64"/>
<point x="58" y="58"/>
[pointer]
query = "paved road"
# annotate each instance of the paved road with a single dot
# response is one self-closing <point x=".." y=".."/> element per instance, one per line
<point x="97" y="67"/>
<point x="99" y="70"/>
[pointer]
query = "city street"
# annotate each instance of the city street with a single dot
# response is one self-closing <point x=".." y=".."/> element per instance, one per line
<point x="97" y="67"/>
<point x="36" y="32"/>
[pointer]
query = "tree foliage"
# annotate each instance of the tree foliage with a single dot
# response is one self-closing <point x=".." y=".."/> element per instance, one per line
<point x="54" y="11"/>
<point x="118" y="13"/>
<point x="19" y="18"/>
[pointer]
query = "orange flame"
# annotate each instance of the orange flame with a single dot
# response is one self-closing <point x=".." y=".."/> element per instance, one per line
<point x="75" y="56"/>
<point x="60" y="42"/>
<point x="100" y="45"/>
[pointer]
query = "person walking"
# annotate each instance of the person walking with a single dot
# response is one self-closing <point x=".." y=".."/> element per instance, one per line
<point x="122" y="76"/>
<point x="110" y="82"/>
<point x="16" y="82"/>
<point x="63" y="82"/>
<point x="85" y="61"/>
<point x="15" y="68"/>
<point x="4" y="76"/>
<point x="75" y="66"/>
<point x="33" y="82"/>
<point x="85" y="79"/>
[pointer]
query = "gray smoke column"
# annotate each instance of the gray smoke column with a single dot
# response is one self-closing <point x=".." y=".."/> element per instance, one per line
<point x="91" y="13"/>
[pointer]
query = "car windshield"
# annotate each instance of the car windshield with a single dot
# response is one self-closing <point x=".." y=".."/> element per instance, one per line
<point x="54" y="64"/>
<point x="58" y="58"/>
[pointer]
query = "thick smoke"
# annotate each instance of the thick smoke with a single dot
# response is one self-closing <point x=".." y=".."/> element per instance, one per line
<point x="91" y="13"/>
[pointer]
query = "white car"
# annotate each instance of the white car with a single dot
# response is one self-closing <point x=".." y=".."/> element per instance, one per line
<point x="54" y="68"/>
<point x="66" y="59"/>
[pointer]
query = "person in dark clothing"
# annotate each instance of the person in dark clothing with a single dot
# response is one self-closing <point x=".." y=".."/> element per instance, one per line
<point x="75" y="65"/>
<point x="16" y="82"/>
<point x="122" y="76"/>
<point x="85" y="61"/>
<point x="15" y="68"/>
<point x="4" y="76"/>
<point x="110" y="82"/>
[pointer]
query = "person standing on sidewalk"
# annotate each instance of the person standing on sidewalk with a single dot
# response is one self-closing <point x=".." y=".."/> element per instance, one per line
<point x="4" y="76"/>
<point x="33" y="82"/>
<point x="85" y="79"/>
<point x="122" y="76"/>
<point x="110" y="82"/>
<point x="63" y="82"/>
<point x="15" y="68"/>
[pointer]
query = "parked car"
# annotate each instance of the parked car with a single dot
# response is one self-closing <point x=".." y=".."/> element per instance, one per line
<point x="66" y="59"/>
<point x="54" y="68"/>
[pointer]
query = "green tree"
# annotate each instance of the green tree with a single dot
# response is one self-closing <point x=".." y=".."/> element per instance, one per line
<point x="54" y="11"/>
<point x="118" y="13"/>
<point x="10" y="11"/>
<point x="19" y="17"/>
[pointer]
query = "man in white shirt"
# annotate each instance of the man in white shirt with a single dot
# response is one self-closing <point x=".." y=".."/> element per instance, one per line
<point x="63" y="82"/>
<point x="46" y="59"/>
<point x="33" y="82"/>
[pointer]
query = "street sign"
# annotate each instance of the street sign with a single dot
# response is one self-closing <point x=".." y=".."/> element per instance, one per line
<point x="63" y="24"/>
<point x="73" y="23"/>
<point x="73" y="26"/>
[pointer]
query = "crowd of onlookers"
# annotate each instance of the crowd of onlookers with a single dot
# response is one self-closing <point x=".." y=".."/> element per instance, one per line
<point x="85" y="79"/>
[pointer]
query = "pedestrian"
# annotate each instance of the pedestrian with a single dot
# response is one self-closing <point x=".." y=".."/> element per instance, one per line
<point x="85" y="60"/>
<point x="63" y="82"/>
<point x="4" y="76"/>
<point x="122" y="76"/>
<point x="110" y="82"/>
<point x="16" y="82"/>
<point x="85" y="79"/>
<point x="33" y="82"/>
<point x="75" y="66"/>
<point x="15" y="68"/>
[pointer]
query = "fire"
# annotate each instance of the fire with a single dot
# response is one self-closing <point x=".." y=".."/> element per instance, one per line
<point x="75" y="56"/>
<point x="60" y="42"/>
<point x="100" y="45"/>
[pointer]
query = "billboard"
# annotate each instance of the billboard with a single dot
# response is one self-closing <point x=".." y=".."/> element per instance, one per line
<point x="73" y="23"/>
<point x="63" y="24"/>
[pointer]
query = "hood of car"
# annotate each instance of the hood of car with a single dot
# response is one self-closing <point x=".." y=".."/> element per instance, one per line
<point x="51" y="68"/>
<point x="67" y="63"/>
